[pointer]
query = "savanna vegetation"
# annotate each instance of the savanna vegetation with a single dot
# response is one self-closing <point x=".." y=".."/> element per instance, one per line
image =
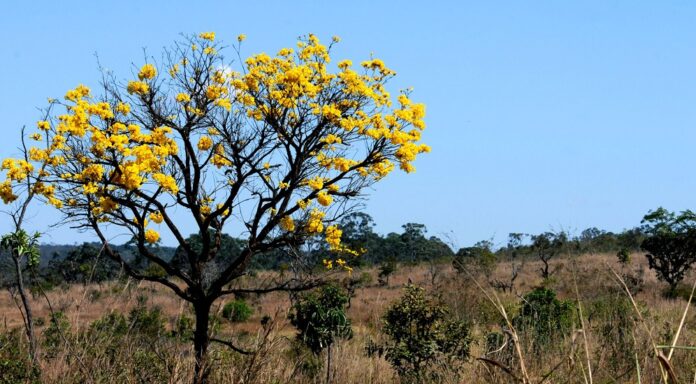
<point x="279" y="151"/>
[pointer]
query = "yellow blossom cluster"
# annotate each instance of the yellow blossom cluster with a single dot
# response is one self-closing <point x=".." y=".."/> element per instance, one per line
<point x="344" y="120"/>
<point x="287" y="223"/>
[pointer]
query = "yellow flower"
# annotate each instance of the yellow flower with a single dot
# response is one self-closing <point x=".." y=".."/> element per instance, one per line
<point x="324" y="199"/>
<point x="147" y="72"/>
<point x="314" y="223"/>
<point x="137" y="87"/>
<point x="151" y="236"/>
<point x="241" y="37"/>
<point x="328" y="264"/>
<point x="210" y="36"/>
<point x="156" y="217"/>
<point x="224" y="103"/>
<point x="287" y="223"/>
<point x="333" y="236"/>
<point x="43" y="125"/>
<point x="316" y="183"/>
<point x="123" y="108"/>
<point x="183" y="98"/>
<point x="167" y="182"/>
<point x="6" y="193"/>
<point x="205" y="143"/>
<point x="35" y="136"/>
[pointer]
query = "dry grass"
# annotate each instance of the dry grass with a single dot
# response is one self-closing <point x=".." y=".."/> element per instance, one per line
<point x="577" y="358"/>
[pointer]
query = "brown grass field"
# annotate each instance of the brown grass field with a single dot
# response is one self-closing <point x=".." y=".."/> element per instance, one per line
<point x="591" y="357"/>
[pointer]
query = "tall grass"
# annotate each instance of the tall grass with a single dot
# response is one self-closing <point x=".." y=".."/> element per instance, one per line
<point x="620" y="333"/>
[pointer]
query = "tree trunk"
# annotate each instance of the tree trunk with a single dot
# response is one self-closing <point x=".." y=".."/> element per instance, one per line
<point x="27" y="310"/>
<point x="201" y="340"/>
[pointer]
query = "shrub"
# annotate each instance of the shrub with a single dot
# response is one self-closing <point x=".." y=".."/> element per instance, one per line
<point x="114" y="324"/>
<point x="320" y="318"/>
<point x="543" y="317"/>
<point x="146" y="322"/>
<point x="421" y="334"/>
<point x="15" y="365"/>
<point x="55" y="333"/>
<point x="237" y="311"/>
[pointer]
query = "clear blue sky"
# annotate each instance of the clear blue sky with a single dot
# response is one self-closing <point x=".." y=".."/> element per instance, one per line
<point x="541" y="115"/>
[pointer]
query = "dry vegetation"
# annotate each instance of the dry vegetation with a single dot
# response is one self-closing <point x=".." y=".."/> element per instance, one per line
<point x="617" y="344"/>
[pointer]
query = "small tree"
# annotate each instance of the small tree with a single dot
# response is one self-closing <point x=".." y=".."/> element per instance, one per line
<point x="280" y="147"/>
<point x="543" y="317"/>
<point x="546" y="246"/>
<point x="480" y="256"/>
<point x="237" y="311"/>
<point x="386" y="269"/>
<point x="320" y="319"/>
<point x="512" y="253"/>
<point x="24" y="252"/>
<point x="670" y="244"/>
<point x="420" y="334"/>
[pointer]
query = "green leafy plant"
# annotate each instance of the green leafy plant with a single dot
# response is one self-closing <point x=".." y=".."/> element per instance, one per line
<point x="421" y="334"/>
<point x="320" y="319"/>
<point x="543" y="317"/>
<point x="237" y="311"/>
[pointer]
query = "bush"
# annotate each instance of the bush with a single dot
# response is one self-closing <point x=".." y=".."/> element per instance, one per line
<point x="15" y="366"/>
<point x="237" y="311"/>
<point x="543" y="317"/>
<point x="55" y="333"/>
<point x="114" y="324"/>
<point x="146" y="322"/>
<point x="320" y="318"/>
<point x="613" y="318"/>
<point x="421" y="334"/>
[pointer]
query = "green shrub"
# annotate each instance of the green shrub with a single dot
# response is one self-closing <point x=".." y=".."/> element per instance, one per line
<point x="113" y="324"/>
<point x="613" y="318"/>
<point x="15" y="365"/>
<point x="422" y="334"/>
<point x="146" y="322"/>
<point x="58" y="329"/>
<point x="543" y="317"/>
<point x="320" y="318"/>
<point x="237" y="311"/>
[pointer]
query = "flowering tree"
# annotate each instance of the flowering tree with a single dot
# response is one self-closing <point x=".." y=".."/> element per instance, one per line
<point x="282" y="146"/>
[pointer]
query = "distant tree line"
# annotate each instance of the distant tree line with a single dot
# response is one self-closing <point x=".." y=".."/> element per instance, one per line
<point x="85" y="263"/>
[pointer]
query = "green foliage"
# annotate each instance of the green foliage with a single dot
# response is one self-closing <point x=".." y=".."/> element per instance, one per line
<point x="613" y="318"/>
<point x="58" y="329"/>
<point x="623" y="256"/>
<point x="320" y="318"/>
<point x="386" y="269"/>
<point x="114" y="324"/>
<point x="20" y="245"/>
<point x="237" y="311"/>
<point x="479" y="257"/>
<point x="420" y="334"/>
<point x="15" y="366"/>
<point x="146" y="322"/>
<point x="670" y="244"/>
<point x="543" y="317"/>
<point x="547" y="245"/>
<point x="83" y="264"/>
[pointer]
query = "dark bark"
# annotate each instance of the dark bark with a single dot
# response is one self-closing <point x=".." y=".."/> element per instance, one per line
<point x="27" y="309"/>
<point x="201" y="340"/>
